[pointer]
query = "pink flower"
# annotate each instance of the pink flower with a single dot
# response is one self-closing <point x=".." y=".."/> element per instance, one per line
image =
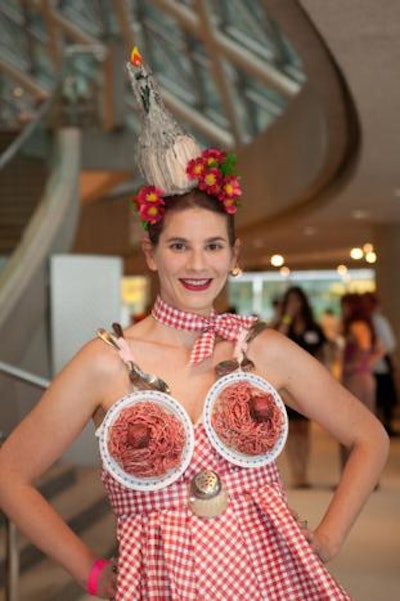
<point x="150" y="204"/>
<point x="196" y="168"/>
<point x="230" y="205"/>
<point x="151" y="213"/>
<point x="230" y="187"/>
<point x="150" y="194"/>
<point x="211" y="181"/>
<point x="213" y="156"/>
<point x="214" y="171"/>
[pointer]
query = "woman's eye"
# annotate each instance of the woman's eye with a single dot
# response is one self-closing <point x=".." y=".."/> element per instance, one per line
<point x="178" y="246"/>
<point x="214" y="246"/>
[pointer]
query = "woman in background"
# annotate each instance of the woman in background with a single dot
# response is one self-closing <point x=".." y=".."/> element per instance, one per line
<point x="384" y="368"/>
<point x="297" y="323"/>
<point x="361" y="350"/>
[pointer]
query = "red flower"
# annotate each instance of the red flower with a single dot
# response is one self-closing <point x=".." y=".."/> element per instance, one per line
<point x="151" y="213"/>
<point x="150" y="204"/>
<point x="196" y="168"/>
<point x="211" y="181"/>
<point x="213" y="156"/>
<point x="214" y="172"/>
<point x="230" y="188"/>
<point x="150" y="194"/>
<point x="230" y="205"/>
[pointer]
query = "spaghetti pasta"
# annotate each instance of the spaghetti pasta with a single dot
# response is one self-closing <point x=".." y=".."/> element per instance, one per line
<point x="146" y="440"/>
<point x="241" y="425"/>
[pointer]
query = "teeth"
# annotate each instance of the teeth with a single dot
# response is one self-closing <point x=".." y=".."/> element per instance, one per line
<point x="196" y="282"/>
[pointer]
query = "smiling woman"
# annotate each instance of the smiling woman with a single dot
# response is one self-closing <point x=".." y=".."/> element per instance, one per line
<point x="192" y="256"/>
<point x="204" y="525"/>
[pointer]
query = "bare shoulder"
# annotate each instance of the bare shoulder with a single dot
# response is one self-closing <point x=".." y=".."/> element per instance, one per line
<point x="279" y="358"/>
<point x="269" y="344"/>
<point x="91" y="370"/>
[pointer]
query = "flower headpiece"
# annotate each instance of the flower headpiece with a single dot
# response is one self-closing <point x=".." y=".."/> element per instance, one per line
<point x="169" y="159"/>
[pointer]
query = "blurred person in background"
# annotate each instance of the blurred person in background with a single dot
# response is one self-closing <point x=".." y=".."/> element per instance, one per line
<point x="276" y="305"/>
<point x="383" y="369"/>
<point x="330" y="325"/>
<point x="360" y="352"/>
<point x="297" y="323"/>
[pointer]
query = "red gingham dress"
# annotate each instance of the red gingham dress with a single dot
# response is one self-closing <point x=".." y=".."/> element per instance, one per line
<point x="254" y="551"/>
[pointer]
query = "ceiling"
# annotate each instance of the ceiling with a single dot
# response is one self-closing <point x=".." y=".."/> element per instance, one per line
<point x="364" y="41"/>
<point x="305" y="91"/>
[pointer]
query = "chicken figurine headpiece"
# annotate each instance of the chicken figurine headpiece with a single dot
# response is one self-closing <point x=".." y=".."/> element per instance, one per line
<point x="164" y="148"/>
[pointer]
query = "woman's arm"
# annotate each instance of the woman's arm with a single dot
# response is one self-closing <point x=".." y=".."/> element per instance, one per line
<point x="40" y="439"/>
<point x="317" y="395"/>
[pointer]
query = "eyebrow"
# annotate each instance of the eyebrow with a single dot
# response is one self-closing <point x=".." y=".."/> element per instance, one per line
<point x="208" y="240"/>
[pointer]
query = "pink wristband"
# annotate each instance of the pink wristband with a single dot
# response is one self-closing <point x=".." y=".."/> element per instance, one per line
<point x="93" y="580"/>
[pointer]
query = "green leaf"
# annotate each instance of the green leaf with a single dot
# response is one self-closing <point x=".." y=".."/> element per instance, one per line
<point x="229" y="165"/>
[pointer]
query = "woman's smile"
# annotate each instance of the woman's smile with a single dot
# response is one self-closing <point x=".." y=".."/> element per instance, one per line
<point x="196" y="284"/>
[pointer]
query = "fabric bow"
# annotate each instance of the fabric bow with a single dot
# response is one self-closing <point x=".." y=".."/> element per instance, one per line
<point x="228" y="326"/>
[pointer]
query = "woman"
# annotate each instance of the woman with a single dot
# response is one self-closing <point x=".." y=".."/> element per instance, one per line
<point x="253" y="548"/>
<point x="192" y="253"/>
<point x="384" y="368"/>
<point x="297" y="322"/>
<point x="361" y="351"/>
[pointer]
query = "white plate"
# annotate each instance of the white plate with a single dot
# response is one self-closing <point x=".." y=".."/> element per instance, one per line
<point x="227" y="452"/>
<point x="168" y="403"/>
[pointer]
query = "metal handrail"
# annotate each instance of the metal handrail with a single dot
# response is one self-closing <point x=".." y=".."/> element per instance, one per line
<point x="15" y="146"/>
<point x="21" y="374"/>
<point x="11" y="543"/>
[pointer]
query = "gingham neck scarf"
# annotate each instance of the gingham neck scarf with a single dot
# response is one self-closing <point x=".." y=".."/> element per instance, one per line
<point x="226" y="325"/>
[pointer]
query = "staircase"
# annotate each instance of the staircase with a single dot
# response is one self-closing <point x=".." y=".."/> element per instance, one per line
<point x="22" y="183"/>
<point x="78" y="495"/>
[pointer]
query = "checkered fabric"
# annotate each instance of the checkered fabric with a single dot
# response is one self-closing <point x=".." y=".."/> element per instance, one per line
<point x="227" y="325"/>
<point x="255" y="551"/>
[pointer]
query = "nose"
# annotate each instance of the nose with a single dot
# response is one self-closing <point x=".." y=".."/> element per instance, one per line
<point x="197" y="260"/>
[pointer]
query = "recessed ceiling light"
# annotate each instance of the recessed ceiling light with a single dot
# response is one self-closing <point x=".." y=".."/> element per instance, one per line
<point x="356" y="253"/>
<point x="370" y="257"/>
<point x="284" y="271"/>
<point x="341" y="269"/>
<point x="360" y="214"/>
<point x="277" y="260"/>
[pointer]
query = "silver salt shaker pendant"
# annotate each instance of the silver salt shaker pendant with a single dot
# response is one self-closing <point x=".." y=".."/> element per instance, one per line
<point x="207" y="495"/>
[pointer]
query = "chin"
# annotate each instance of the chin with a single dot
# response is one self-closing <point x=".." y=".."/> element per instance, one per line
<point x="200" y="300"/>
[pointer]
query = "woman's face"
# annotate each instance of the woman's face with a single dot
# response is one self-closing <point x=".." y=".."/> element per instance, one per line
<point x="193" y="258"/>
<point x="294" y="303"/>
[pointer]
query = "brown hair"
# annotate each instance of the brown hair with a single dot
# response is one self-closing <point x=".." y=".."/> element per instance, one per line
<point x="194" y="198"/>
<point x="357" y="311"/>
